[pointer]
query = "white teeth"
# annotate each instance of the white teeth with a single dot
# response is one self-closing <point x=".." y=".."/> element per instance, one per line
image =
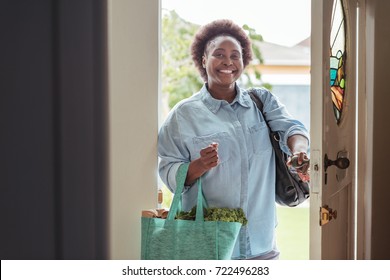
<point x="226" y="71"/>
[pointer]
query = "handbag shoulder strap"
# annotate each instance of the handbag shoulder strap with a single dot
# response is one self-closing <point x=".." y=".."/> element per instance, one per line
<point x="256" y="99"/>
<point x="258" y="102"/>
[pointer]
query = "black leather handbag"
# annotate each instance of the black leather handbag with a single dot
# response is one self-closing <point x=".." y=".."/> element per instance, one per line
<point x="290" y="190"/>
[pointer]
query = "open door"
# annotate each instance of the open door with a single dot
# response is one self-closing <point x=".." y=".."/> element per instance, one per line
<point x="333" y="129"/>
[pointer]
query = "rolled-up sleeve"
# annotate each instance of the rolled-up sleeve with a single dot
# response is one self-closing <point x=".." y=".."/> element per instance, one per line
<point x="171" y="150"/>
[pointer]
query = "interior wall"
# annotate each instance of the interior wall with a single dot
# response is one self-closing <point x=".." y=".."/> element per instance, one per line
<point x="27" y="165"/>
<point x="53" y="177"/>
<point x="380" y="226"/>
<point x="133" y="30"/>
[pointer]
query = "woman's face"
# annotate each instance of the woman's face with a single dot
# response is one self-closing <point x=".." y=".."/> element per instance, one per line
<point x="223" y="61"/>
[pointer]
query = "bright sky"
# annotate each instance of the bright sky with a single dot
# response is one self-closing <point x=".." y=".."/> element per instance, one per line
<point x="284" y="22"/>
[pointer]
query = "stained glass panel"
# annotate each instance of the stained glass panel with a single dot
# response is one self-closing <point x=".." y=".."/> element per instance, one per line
<point x="337" y="58"/>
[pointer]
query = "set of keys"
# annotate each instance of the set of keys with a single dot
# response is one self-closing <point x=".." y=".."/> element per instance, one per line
<point x="301" y="168"/>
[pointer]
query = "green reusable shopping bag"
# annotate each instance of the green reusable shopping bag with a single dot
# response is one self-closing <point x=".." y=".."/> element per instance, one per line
<point x="170" y="239"/>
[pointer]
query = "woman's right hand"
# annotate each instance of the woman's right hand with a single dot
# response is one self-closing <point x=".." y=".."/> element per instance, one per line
<point x="208" y="159"/>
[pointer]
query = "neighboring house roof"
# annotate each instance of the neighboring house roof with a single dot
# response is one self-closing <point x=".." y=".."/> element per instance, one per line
<point x="304" y="43"/>
<point x="298" y="55"/>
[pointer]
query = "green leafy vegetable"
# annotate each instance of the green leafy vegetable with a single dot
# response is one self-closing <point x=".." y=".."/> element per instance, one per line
<point x="216" y="214"/>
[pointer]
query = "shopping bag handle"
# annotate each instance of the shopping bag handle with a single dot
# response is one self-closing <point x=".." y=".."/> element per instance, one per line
<point x="180" y="181"/>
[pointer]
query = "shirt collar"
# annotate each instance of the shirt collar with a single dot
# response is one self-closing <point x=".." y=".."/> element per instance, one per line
<point x="214" y="104"/>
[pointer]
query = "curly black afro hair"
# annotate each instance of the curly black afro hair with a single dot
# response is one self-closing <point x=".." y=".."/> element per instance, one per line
<point x="212" y="30"/>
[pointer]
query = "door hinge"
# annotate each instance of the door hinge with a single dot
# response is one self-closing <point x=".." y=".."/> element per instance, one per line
<point x="327" y="214"/>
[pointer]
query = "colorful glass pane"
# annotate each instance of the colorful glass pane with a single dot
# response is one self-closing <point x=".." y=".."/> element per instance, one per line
<point x="337" y="58"/>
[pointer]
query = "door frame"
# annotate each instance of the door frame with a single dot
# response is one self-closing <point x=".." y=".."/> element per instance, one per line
<point x="316" y="128"/>
<point x="363" y="165"/>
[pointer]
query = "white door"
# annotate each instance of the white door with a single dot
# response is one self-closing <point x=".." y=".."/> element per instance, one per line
<point x="333" y="114"/>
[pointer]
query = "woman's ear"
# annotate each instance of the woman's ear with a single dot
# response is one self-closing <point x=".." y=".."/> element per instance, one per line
<point x="204" y="61"/>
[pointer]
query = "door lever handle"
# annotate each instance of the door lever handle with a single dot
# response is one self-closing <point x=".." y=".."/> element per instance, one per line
<point x="341" y="162"/>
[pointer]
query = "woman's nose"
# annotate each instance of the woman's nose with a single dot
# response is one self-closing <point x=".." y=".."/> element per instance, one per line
<point x="227" y="62"/>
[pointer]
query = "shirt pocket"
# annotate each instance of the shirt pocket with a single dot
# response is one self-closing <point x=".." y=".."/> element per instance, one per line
<point x="259" y="136"/>
<point x="222" y="138"/>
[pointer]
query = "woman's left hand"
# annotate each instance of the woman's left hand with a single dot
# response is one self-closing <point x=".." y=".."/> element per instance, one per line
<point x="301" y="162"/>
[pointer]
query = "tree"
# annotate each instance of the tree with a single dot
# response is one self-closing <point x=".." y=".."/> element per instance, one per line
<point x="180" y="78"/>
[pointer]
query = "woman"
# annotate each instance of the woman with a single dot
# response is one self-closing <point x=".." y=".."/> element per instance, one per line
<point x="224" y="137"/>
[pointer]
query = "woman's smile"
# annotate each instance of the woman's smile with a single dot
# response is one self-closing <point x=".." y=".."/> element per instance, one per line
<point x="226" y="71"/>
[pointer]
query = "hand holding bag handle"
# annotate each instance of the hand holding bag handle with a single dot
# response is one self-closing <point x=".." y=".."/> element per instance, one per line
<point x="176" y="202"/>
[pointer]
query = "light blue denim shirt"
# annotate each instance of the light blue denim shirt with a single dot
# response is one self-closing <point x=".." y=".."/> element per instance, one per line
<point x="245" y="176"/>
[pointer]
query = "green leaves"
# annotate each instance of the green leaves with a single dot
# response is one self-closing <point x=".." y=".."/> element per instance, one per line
<point x="216" y="214"/>
<point x="180" y="78"/>
<point x="225" y="215"/>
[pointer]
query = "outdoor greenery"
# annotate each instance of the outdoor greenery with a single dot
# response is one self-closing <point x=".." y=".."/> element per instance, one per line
<point x="293" y="232"/>
<point x="180" y="78"/>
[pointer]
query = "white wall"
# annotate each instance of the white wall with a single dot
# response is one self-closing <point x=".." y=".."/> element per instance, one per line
<point x="133" y="31"/>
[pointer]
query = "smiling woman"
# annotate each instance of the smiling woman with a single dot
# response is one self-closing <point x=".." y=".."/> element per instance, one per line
<point x="223" y="137"/>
